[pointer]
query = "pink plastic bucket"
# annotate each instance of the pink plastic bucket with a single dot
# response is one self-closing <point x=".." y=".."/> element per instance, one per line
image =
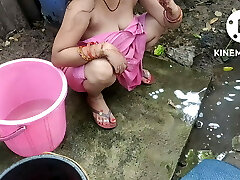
<point x="32" y="108"/>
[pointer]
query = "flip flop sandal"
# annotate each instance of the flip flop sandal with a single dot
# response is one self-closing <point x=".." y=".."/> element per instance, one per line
<point x="110" y="123"/>
<point x="147" y="77"/>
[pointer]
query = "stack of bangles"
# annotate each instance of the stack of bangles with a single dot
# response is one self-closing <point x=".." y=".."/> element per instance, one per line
<point x="88" y="56"/>
<point x="178" y="19"/>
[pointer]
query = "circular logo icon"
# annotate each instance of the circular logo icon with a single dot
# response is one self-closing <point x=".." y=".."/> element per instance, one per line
<point x="233" y="26"/>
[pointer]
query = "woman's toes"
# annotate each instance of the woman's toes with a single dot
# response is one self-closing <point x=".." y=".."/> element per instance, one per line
<point x="105" y="121"/>
<point x="99" y="120"/>
<point x="113" y="120"/>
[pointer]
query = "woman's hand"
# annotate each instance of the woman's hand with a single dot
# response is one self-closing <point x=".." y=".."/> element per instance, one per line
<point x="94" y="50"/>
<point x="108" y="51"/>
<point x="115" y="58"/>
<point x="164" y="3"/>
<point x="171" y="8"/>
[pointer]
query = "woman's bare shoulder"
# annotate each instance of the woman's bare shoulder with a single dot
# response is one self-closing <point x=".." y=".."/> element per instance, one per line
<point x="82" y="5"/>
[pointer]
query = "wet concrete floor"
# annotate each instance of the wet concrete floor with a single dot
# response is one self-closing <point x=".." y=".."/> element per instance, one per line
<point x="219" y="111"/>
<point x="150" y="135"/>
<point x="219" y="115"/>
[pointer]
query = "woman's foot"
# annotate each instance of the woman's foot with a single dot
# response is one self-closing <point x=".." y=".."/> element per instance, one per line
<point x="147" y="78"/>
<point x="101" y="113"/>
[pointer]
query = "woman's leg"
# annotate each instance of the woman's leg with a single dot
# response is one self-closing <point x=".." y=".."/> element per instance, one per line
<point x="153" y="31"/>
<point x="99" y="75"/>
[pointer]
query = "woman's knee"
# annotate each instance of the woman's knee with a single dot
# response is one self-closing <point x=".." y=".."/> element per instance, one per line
<point x="154" y="30"/>
<point x="100" y="70"/>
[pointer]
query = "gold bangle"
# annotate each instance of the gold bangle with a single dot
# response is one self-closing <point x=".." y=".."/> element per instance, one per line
<point x="81" y="53"/>
<point x="88" y="55"/>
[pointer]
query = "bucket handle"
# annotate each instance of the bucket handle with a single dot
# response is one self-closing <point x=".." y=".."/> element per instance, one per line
<point x="14" y="134"/>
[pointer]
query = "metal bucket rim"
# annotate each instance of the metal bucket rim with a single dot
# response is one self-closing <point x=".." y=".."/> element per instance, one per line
<point x="47" y="156"/>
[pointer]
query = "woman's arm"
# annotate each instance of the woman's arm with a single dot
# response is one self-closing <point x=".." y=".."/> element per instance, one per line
<point x="75" y="22"/>
<point x="156" y="9"/>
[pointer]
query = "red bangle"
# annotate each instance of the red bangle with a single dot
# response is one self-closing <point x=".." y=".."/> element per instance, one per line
<point x="178" y="19"/>
<point x="89" y="52"/>
<point x="88" y="56"/>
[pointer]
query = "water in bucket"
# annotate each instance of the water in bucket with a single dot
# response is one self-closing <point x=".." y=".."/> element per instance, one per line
<point x="29" y="109"/>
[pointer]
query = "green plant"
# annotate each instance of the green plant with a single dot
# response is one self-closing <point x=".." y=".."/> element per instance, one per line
<point x="159" y="50"/>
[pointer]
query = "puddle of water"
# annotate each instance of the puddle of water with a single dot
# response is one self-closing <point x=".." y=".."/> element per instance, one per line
<point x="218" y="120"/>
<point x="189" y="103"/>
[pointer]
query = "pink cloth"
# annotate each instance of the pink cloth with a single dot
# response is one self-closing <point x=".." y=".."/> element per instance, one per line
<point x="130" y="42"/>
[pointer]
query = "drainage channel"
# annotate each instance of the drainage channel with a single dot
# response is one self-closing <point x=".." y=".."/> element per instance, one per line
<point x="215" y="134"/>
